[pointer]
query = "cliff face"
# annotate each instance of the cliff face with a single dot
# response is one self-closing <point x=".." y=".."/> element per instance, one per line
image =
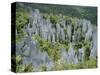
<point x="77" y="39"/>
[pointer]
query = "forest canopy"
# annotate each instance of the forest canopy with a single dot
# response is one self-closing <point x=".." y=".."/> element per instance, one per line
<point x="85" y="12"/>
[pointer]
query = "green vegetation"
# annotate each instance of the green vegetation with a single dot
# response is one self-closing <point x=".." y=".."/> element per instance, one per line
<point x="58" y="65"/>
<point x="72" y="11"/>
<point x="53" y="50"/>
<point x="18" y="59"/>
<point x="73" y="22"/>
<point x="17" y="65"/>
<point x="87" y="50"/>
<point x="54" y="19"/>
<point x="24" y="68"/>
<point x="22" y="17"/>
<point x="46" y="16"/>
<point x="43" y="68"/>
<point x="65" y="30"/>
<point x="66" y="66"/>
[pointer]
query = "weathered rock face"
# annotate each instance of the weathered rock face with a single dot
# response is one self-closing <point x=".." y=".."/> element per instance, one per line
<point x="82" y="30"/>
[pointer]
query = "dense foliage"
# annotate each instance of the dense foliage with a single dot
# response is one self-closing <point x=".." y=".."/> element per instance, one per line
<point x="72" y="11"/>
<point x="22" y="17"/>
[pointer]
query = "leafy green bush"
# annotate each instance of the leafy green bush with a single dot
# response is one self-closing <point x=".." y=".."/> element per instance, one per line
<point x="24" y="68"/>
<point x="73" y="21"/>
<point x="43" y="68"/>
<point x="59" y="66"/>
<point x="54" y="19"/>
<point x="65" y="17"/>
<point x="65" y="30"/>
<point x="45" y="16"/>
<point x="92" y="63"/>
<point x="18" y="59"/>
<point x="22" y="17"/>
<point x="68" y="21"/>
<point x="87" y="50"/>
<point x="53" y="49"/>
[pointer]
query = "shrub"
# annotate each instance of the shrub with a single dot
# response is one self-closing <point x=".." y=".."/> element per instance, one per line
<point x="58" y="65"/>
<point x="53" y="49"/>
<point x="18" y="59"/>
<point x="45" y="16"/>
<point x="73" y="22"/>
<point x="43" y="68"/>
<point x="24" y="68"/>
<point x="54" y="19"/>
<point x="22" y="18"/>
<point x="65" y="30"/>
<point x="92" y="63"/>
<point x="65" y="17"/>
<point x="87" y="50"/>
<point x="68" y="21"/>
